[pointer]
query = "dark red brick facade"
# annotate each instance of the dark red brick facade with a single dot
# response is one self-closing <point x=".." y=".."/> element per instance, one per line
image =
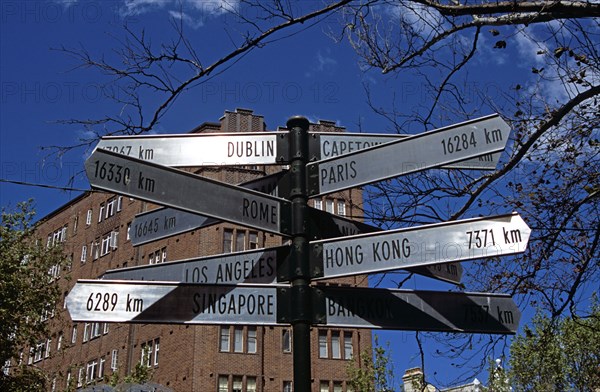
<point x="189" y="358"/>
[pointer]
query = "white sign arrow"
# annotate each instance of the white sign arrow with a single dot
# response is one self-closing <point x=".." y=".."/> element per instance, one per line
<point x="182" y="190"/>
<point x="201" y="149"/>
<point x="418" y="246"/>
<point x="436" y="148"/>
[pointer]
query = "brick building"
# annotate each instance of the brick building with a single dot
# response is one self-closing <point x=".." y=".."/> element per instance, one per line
<point x="94" y="231"/>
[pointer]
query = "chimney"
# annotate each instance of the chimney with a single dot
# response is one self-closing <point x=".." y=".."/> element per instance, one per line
<point x="242" y="120"/>
<point x="413" y="380"/>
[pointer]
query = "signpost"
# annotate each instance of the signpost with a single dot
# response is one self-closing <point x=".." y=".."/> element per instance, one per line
<point x="202" y="149"/>
<point x="253" y="266"/>
<point x="418" y="310"/>
<point x="417" y="246"/>
<point x="178" y="189"/>
<point x="436" y="148"/>
<point x="333" y="144"/>
<point x="163" y="302"/>
<point x="240" y="288"/>
<point x="165" y="222"/>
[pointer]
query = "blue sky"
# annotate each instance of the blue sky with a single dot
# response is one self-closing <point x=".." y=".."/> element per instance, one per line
<point x="306" y="73"/>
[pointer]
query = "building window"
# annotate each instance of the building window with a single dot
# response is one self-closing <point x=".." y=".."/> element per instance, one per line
<point x="156" y="349"/>
<point x="337" y="386"/>
<point x="323" y="352"/>
<point x="329" y="206"/>
<point x="223" y="384"/>
<point x="88" y="217"/>
<point x="318" y="204"/>
<point x="6" y="368"/>
<point x="114" y="360"/>
<point x="59" y="341"/>
<point x="105" y="330"/>
<point x="90" y="374"/>
<point x="286" y="340"/>
<point x="238" y="339"/>
<point x="341" y="207"/>
<point x="128" y="231"/>
<point x="237" y="384"/>
<point x="83" y="253"/>
<point x="227" y="241"/>
<point x="47" y="351"/>
<point x="101" y="367"/>
<point x="287" y="386"/>
<point x="95" y="249"/>
<point x="101" y="214"/>
<point x="324" y="386"/>
<point x="58" y="236"/>
<point x="75" y="224"/>
<point x="348" y="347"/>
<point x="251" y="340"/>
<point x="119" y="203"/>
<point x="74" y="334"/>
<point x="335" y="344"/>
<point x="150" y="352"/>
<point x="250" y="384"/>
<point x="38" y="352"/>
<point x="158" y="256"/>
<point x="239" y="240"/>
<point x="86" y="332"/>
<point x="111" y="207"/>
<point x="105" y="245"/>
<point x="80" y="376"/>
<point x="224" y="341"/>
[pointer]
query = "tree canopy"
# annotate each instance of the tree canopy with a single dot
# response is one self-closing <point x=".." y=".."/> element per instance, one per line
<point x="28" y="295"/>
<point x="549" y="175"/>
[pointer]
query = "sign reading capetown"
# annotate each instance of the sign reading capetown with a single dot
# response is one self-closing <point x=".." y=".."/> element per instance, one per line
<point x="443" y="146"/>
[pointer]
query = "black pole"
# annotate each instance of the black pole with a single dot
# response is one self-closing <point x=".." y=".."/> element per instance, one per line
<point x="300" y="279"/>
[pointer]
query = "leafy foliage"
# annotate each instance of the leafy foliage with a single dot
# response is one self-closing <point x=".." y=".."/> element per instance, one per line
<point x="372" y="371"/>
<point x="27" y="292"/>
<point x="561" y="355"/>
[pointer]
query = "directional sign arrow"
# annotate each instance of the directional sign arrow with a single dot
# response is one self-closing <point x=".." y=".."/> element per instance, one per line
<point x="418" y="246"/>
<point x="166" y="222"/>
<point x="253" y="266"/>
<point x="178" y="189"/>
<point x="416" y="310"/>
<point x="333" y="144"/>
<point x="166" y="303"/>
<point x="203" y="149"/>
<point x="456" y="143"/>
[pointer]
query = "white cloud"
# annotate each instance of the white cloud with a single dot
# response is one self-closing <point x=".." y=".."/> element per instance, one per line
<point x="201" y="7"/>
<point x="193" y="22"/>
<point x="424" y="20"/>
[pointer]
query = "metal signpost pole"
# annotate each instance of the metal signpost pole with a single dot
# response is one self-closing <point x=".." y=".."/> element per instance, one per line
<point x="301" y="312"/>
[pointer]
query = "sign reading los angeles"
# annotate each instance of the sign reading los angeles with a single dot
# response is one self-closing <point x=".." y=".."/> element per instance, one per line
<point x="253" y="266"/>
